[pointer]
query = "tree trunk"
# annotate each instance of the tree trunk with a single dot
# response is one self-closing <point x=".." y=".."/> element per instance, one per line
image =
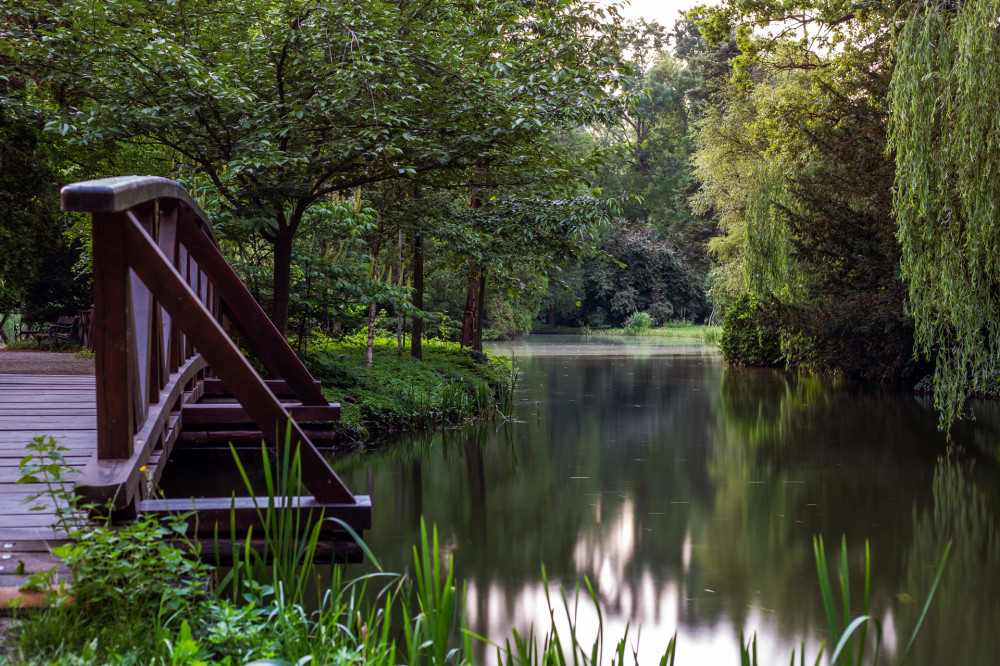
<point x="399" y="315"/>
<point x="418" y="296"/>
<point x="370" y="346"/>
<point x="552" y="314"/>
<point x="471" y="317"/>
<point x="282" y="281"/>
<point x="482" y="311"/>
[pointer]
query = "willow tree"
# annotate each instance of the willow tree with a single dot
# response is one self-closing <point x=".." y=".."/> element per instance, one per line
<point x="795" y="168"/>
<point x="947" y="141"/>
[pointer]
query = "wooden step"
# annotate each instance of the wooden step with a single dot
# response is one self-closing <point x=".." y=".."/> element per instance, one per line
<point x="234" y="414"/>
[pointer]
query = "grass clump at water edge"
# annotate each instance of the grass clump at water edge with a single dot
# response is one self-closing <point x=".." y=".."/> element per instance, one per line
<point x="122" y="609"/>
<point x="448" y="386"/>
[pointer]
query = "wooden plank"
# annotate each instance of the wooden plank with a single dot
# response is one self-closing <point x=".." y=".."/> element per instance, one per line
<point x="229" y="364"/>
<point x="15" y="548"/>
<point x="11" y="474"/>
<point x="198" y="439"/>
<point x="49" y="410"/>
<point x="13" y="377"/>
<point x="35" y="519"/>
<point x="11" y="534"/>
<point x="114" y="380"/>
<point x="218" y="511"/>
<point x="333" y="550"/>
<point x="117" y="194"/>
<point x="11" y="459"/>
<point x="13" y="422"/>
<point x="13" y="597"/>
<point x="32" y="561"/>
<point x="267" y="343"/>
<point x="201" y="414"/>
<point x="11" y="440"/>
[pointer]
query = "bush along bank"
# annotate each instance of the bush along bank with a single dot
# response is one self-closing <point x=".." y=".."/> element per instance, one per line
<point x="449" y="386"/>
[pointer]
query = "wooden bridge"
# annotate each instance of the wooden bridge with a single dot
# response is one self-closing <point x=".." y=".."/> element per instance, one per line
<point x="168" y="375"/>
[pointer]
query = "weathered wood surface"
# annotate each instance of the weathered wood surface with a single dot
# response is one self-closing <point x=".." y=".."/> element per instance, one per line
<point x="60" y="406"/>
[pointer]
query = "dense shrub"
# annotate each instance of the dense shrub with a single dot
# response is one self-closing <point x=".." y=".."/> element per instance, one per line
<point x="638" y="323"/>
<point x="655" y="276"/>
<point x="401" y="392"/>
<point x="749" y="334"/>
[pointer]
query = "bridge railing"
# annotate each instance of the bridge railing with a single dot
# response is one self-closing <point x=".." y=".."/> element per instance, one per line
<point x="161" y="287"/>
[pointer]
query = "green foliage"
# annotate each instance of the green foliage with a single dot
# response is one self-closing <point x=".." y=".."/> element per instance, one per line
<point x="748" y="333"/>
<point x="946" y="194"/>
<point x="511" y="313"/>
<point x="28" y="204"/>
<point x="842" y="635"/>
<point x="649" y="274"/>
<point x="131" y="585"/>
<point x="449" y="385"/>
<point x="638" y="323"/>
<point x="794" y="167"/>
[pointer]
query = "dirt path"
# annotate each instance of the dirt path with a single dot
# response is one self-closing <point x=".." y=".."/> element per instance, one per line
<point x="27" y="362"/>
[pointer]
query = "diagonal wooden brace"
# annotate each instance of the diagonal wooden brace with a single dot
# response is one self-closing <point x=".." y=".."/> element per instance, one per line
<point x="193" y="317"/>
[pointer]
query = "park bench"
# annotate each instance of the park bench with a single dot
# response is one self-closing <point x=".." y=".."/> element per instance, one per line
<point x="31" y="329"/>
<point x="65" y="328"/>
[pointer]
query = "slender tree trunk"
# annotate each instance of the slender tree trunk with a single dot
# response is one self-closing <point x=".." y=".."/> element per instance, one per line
<point x="472" y="316"/>
<point x="399" y="315"/>
<point x="482" y="311"/>
<point x="282" y="281"/>
<point x="552" y="314"/>
<point x="370" y="346"/>
<point x="417" y="333"/>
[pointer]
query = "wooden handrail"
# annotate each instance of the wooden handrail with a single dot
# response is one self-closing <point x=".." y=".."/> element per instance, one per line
<point x="160" y="284"/>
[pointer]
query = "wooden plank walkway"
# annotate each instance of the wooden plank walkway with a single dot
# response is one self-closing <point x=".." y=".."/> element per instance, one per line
<point x="61" y="406"/>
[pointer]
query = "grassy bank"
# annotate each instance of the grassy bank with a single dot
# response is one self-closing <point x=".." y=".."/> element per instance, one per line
<point x="708" y="334"/>
<point x="398" y="392"/>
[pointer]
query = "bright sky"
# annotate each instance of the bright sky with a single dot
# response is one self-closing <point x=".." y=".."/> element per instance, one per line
<point x="663" y="11"/>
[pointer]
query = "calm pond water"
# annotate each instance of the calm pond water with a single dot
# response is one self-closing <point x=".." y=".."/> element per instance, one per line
<point x="689" y="494"/>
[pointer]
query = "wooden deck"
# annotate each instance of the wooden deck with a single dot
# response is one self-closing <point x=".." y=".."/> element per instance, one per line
<point x="64" y="407"/>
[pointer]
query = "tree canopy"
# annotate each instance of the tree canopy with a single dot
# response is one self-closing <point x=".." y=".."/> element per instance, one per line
<point x="278" y="104"/>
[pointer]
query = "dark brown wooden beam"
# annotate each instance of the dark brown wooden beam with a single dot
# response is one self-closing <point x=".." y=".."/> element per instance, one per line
<point x="112" y="342"/>
<point x="328" y="550"/>
<point x="218" y="512"/>
<point x="234" y="414"/>
<point x="278" y="387"/>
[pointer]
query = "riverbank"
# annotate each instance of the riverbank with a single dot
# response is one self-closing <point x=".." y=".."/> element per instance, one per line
<point x="709" y="334"/>
<point x="449" y="386"/>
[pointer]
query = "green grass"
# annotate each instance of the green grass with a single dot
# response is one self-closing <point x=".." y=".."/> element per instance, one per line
<point x="450" y="385"/>
<point x="709" y="334"/>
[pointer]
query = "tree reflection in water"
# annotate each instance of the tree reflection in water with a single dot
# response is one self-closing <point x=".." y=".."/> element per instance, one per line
<point x="689" y="494"/>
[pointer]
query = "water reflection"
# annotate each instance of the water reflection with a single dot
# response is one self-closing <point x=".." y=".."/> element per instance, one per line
<point x="688" y="494"/>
